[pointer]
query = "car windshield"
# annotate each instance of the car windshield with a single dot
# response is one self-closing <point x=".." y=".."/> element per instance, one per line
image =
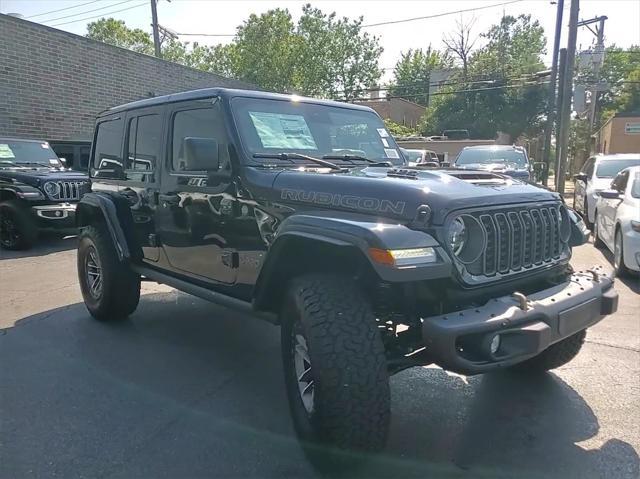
<point x="269" y="127"/>
<point x="491" y="155"/>
<point x="413" y="155"/>
<point x="610" y="168"/>
<point x="27" y="153"/>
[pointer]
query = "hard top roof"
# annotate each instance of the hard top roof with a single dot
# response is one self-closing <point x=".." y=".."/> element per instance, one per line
<point x="225" y="93"/>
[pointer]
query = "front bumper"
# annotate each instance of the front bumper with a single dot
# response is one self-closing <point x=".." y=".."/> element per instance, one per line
<point x="57" y="216"/>
<point x="461" y="341"/>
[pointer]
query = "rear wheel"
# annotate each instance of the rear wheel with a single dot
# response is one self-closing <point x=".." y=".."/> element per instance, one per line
<point x="554" y="356"/>
<point x="335" y="368"/>
<point x="17" y="228"/>
<point x="618" y="256"/>
<point x="111" y="290"/>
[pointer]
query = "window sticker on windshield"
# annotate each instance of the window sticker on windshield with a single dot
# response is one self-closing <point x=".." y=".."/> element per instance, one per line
<point x="383" y="132"/>
<point x="391" y="153"/>
<point x="279" y="130"/>
<point x="5" y="151"/>
<point x="385" y="142"/>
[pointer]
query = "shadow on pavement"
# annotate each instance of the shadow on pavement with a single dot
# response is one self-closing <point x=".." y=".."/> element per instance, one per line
<point x="47" y="243"/>
<point x="187" y="389"/>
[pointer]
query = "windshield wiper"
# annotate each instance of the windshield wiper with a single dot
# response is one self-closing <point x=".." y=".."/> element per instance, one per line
<point x="291" y="156"/>
<point x="357" y="158"/>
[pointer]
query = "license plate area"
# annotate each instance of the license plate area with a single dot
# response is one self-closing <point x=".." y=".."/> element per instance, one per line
<point x="578" y="317"/>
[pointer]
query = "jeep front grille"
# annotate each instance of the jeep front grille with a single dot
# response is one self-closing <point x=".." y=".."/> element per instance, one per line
<point x="70" y="190"/>
<point x="517" y="239"/>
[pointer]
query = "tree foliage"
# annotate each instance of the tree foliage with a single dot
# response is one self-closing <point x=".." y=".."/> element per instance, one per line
<point x="412" y="73"/>
<point x="500" y="102"/>
<point x="115" y="32"/>
<point x="398" y="130"/>
<point x="620" y="69"/>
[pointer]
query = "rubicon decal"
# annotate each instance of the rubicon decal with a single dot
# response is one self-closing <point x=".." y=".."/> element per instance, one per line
<point x="346" y="201"/>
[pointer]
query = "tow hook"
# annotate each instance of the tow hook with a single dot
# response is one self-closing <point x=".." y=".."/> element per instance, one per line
<point x="522" y="300"/>
<point x="594" y="274"/>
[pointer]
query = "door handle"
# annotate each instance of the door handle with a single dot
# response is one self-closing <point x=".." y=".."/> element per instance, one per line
<point x="170" y="199"/>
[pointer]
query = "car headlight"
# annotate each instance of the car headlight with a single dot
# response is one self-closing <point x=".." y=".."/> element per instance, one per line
<point x="466" y="238"/>
<point x="51" y="188"/>
<point x="457" y="236"/>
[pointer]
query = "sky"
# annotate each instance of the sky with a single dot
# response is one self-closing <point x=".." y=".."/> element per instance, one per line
<point x="222" y="16"/>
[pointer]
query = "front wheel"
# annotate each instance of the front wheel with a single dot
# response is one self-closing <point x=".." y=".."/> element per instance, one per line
<point x="18" y="231"/>
<point x="620" y="268"/>
<point x="110" y="289"/>
<point x="335" y="366"/>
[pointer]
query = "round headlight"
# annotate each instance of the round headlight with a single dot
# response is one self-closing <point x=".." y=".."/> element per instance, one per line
<point x="51" y="188"/>
<point x="457" y="236"/>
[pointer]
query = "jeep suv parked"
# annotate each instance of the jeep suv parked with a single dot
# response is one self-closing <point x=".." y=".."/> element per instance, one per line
<point x="36" y="192"/>
<point x="293" y="209"/>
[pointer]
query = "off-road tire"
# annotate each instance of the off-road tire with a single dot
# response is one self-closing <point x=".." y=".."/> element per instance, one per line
<point x="351" y="384"/>
<point x="120" y="292"/>
<point x="597" y="242"/>
<point x="26" y="228"/>
<point x="554" y="356"/>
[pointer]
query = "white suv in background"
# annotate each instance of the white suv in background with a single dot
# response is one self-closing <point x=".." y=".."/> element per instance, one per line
<point x="595" y="176"/>
<point x="617" y="220"/>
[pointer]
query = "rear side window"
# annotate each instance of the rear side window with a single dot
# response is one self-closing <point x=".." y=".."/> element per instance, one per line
<point x="144" y="147"/>
<point x="107" y="153"/>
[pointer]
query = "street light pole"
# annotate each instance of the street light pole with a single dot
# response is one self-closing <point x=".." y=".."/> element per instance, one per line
<point x="156" y="33"/>
<point x="551" y="100"/>
<point x="565" y="113"/>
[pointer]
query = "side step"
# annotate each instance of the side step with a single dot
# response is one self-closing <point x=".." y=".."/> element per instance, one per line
<point x="204" y="293"/>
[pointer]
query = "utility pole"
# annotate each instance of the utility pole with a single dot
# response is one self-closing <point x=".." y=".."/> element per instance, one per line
<point x="551" y="100"/>
<point x="156" y="33"/>
<point x="565" y="113"/>
<point x="562" y="69"/>
<point x="597" y="61"/>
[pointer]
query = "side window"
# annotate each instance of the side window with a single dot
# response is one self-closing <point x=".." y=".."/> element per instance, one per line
<point x="620" y="182"/>
<point x="107" y="152"/>
<point x="198" y="123"/>
<point x="143" y="150"/>
<point x="588" y="167"/>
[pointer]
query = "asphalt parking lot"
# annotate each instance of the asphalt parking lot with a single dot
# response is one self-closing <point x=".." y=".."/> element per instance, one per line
<point x="188" y="389"/>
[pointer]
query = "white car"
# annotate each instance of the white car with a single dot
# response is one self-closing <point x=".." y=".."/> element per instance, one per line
<point x="617" y="220"/>
<point x="596" y="175"/>
<point x="420" y="157"/>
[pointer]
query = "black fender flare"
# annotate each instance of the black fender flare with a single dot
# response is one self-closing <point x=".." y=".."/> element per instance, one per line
<point x="114" y="212"/>
<point x="354" y="234"/>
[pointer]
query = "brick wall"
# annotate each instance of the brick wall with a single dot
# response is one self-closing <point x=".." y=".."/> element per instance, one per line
<point x="54" y="83"/>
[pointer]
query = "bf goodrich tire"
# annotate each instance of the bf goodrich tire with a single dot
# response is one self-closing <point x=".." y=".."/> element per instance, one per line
<point x="18" y="230"/>
<point x="111" y="290"/>
<point x="556" y="355"/>
<point x="335" y="367"/>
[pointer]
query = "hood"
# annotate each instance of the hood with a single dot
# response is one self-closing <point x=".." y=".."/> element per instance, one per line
<point x="398" y="193"/>
<point x="37" y="176"/>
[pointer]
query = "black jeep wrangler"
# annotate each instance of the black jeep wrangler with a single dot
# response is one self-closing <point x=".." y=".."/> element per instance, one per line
<point x="302" y="212"/>
<point x="36" y="192"/>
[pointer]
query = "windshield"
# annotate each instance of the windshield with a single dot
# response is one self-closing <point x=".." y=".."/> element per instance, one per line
<point x="610" y="168"/>
<point x="491" y="155"/>
<point x="275" y="126"/>
<point x="413" y="155"/>
<point x="27" y="153"/>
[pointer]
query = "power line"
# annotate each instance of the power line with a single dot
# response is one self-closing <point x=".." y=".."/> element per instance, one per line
<point x="85" y="12"/>
<point x="390" y="22"/>
<point x="375" y="24"/>
<point x="61" y="9"/>
<point x="101" y="15"/>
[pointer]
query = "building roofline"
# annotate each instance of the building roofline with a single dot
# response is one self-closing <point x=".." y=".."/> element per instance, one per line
<point x="108" y="45"/>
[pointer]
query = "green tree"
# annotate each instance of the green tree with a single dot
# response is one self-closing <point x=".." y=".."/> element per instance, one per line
<point x="412" y="73"/>
<point x="620" y="67"/>
<point x="398" y="130"/>
<point x="115" y="32"/>
<point x="512" y="53"/>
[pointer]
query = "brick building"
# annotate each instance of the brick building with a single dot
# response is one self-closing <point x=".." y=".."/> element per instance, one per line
<point x="621" y="134"/>
<point x="54" y="83"/>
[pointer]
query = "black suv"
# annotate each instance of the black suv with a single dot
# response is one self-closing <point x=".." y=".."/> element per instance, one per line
<point x="36" y="192"/>
<point x="296" y="209"/>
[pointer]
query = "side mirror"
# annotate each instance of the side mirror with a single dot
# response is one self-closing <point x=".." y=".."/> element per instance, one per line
<point x="609" y="194"/>
<point x="200" y="154"/>
<point x="445" y="164"/>
<point x="581" y="177"/>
